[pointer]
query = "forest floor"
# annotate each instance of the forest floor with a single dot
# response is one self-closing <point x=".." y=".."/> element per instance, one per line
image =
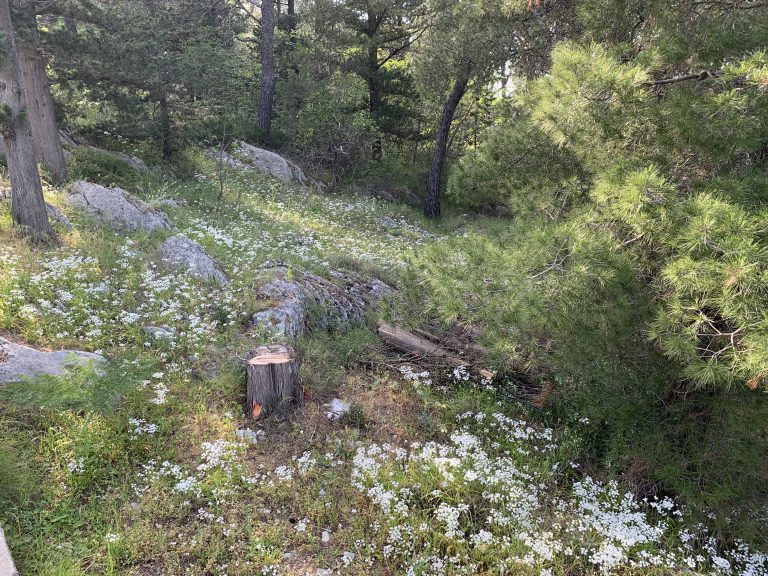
<point x="138" y="470"/>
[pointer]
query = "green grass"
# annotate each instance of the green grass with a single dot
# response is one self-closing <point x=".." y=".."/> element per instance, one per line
<point x="136" y="470"/>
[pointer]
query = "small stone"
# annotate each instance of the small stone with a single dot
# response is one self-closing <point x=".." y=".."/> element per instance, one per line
<point x="325" y="537"/>
<point x="159" y="332"/>
<point x="289" y="555"/>
<point x="247" y="435"/>
<point x="323" y="572"/>
<point x="337" y="408"/>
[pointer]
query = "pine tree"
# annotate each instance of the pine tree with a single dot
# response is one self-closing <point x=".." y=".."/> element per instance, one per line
<point x="28" y="208"/>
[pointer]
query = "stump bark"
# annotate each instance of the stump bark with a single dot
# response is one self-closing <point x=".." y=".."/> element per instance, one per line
<point x="272" y="379"/>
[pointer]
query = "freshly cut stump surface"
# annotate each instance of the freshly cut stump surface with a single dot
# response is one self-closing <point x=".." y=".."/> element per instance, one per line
<point x="272" y="379"/>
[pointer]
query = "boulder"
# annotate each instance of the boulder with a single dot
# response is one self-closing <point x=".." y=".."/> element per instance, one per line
<point x="58" y="216"/>
<point x="293" y="294"/>
<point x="18" y="362"/>
<point x="270" y="163"/>
<point x="180" y="253"/>
<point x="115" y="207"/>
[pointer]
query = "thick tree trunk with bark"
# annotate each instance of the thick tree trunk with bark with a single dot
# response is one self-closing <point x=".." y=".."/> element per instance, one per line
<point x="27" y="204"/>
<point x="435" y="178"/>
<point x="45" y="133"/>
<point x="267" y="80"/>
<point x="272" y="373"/>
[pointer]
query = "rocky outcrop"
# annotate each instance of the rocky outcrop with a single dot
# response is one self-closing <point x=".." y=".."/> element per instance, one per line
<point x="18" y="362"/>
<point x="180" y="253"/>
<point x="116" y="208"/>
<point x="297" y="298"/>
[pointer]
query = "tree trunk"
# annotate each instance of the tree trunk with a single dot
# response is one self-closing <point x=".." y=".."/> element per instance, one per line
<point x="272" y="379"/>
<point x="27" y="204"/>
<point x="166" y="134"/>
<point x="372" y="78"/>
<point x="159" y="90"/>
<point x="291" y="17"/>
<point x="267" y="80"/>
<point x="45" y="133"/>
<point x="435" y="178"/>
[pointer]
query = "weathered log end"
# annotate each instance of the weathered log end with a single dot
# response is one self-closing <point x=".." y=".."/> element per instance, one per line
<point x="272" y="379"/>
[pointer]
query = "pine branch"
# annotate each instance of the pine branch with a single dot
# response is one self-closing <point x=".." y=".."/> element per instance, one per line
<point x="700" y="76"/>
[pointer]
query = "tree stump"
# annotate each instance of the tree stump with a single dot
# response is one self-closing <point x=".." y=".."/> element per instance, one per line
<point x="272" y="379"/>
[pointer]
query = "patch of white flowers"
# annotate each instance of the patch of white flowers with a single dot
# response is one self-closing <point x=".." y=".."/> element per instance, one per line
<point x="446" y="508"/>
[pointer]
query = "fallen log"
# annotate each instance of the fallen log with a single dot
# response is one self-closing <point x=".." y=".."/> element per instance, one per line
<point x="272" y="373"/>
<point x="406" y="341"/>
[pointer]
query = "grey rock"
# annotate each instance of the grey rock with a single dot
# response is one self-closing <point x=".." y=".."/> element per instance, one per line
<point x="7" y="567"/>
<point x="270" y="163"/>
<point x="133" y="161"/>
<point x="247" y="435"/>
<point x="58" y="216"/>
<point x="5" y="193"/>
<point x="115" y="207"/>
<point x="67" y="141"/>
<point x="181" y="253"/>
<point x="385" y="196"/>
<point x="325" y="537"/>
<point x="337" y="408"/>
<point x="293" y="294"/>
<point x="227" y="158"/>
<point x="159" y="332"/>
<point x="18" y="362"/>
<point x="323" y="572"/>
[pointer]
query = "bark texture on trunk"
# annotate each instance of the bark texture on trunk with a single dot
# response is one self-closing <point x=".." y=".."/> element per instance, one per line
<point x="27" y="204"/>
<point x="45" y="133"/>
<point x="267" y="80"/>
<point x="435" y="178"/>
